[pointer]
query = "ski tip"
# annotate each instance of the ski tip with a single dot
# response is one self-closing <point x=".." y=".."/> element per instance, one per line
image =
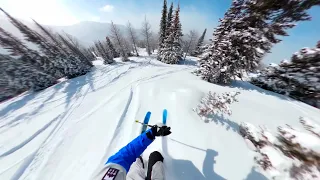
<point x="165" y="112"/>
<point x="164" y="116"/>
<point x="147" y="117"/>
<point x="148" y="114"/>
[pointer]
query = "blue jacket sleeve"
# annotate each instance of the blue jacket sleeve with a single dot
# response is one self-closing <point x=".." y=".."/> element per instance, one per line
<point x="128" y="154"/>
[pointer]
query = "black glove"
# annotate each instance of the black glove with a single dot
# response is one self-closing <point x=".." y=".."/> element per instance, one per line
<point x="158" y="131"/>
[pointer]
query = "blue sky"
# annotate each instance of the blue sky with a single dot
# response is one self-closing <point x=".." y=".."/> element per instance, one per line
<point x="195" y="14"/>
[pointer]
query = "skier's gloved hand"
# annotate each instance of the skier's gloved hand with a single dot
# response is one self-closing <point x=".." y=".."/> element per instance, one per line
<point x="158" y="131"/>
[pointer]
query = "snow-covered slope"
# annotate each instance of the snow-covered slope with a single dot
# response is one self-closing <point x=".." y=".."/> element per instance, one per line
<point x="68" y="130"/>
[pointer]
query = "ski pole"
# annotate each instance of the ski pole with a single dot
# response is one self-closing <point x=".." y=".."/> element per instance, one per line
<point x="143" y="123"/>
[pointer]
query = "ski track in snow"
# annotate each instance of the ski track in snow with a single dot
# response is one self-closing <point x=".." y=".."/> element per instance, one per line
<point x="37" y="159"/>
<point x="85" y="103"/>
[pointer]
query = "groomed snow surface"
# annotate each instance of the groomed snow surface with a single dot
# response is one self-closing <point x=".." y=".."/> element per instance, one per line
<point x="67" y="131"/>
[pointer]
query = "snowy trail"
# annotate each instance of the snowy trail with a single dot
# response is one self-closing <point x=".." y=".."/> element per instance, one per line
<point x="67" y="131"/>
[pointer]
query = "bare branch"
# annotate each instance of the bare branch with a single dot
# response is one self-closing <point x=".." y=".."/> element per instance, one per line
<point x="147" y="33"/>
<point x="133" y="37"/>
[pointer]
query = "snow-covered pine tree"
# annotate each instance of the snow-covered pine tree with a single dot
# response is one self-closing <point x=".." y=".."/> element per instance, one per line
<point x="15" y="76"/>
<point x="108" y="52"/>
<point x="291" y="154"/>
<point x="103" y="53"/>
<point x="171" y="53"/>
<point x="75" y="48"/>
<point x="52" y="66"/>
<point x="87" y="52"/>
<point x="255" y="34"/>
<point x="147" y="34"/>
<point x="216" y="60"/>
<point x="40" y="79"/>
<point x="78" y="63"/>
<point x="59" y="64"/>
<point x="118" y="39"/>
<point x="67" y="57"/>
<point x="299" y="79"/>
<point x="20" y="75"/>
<point x="52" y="38"/>
<point x="247" y="32"/>
<point x="87" y="58"/>
<point x="199" y="48"/>
<point x="169" y="19"/>
<point x="163" y="26"/>
<point x="178" y="32"/>
<point x="111" y="48"/>
<point x="133" y="37"/>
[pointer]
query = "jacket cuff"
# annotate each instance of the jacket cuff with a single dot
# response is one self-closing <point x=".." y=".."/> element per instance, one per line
<point x="148" y="137"/>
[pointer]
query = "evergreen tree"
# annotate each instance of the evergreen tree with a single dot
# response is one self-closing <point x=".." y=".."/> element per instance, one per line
<point x="78" y="64"/>
<point x="38" y="79"/>
<point x="15" y="76"/>
<point x="169" y="20"/>
<point x="171" y="53"/>
<point x="178" y="26"/>
<point x="246" y="34"/>
<point x="298" y="78"/>
<point x="163" y="24"/>
<point x="212" y="64"/>
<point x="52" y="67"/>
<point x="87" y="52"/>
<point x="82" y="51"/>
<point x="50" y="62"/>
<point x="199" y="47"/>
<point x="59" y="64"/>
<point x="111" y="48"/>
<point x="104" y="53"/>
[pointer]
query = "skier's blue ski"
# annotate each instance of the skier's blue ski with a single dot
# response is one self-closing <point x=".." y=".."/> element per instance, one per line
<point x="145" y="122"/>
<point x="164" y="117"/>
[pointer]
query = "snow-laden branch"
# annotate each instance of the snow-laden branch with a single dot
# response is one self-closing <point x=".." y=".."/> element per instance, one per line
<point x="214" y="103"/>
<point x="291" y="154"/>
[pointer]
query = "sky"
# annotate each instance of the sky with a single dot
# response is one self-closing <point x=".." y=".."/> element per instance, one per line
<point x="195" y="14"/>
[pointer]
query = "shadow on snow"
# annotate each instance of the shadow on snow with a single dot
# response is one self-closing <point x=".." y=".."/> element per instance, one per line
<point x="185" y="169"/>
<point x="223" y="121"/>
<point x="71" y="88"/>
<point x="243" y="85"/>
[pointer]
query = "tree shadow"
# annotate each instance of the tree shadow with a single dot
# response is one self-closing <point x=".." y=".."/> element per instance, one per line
<point x="75" y="86"/>
<point x="90" y="79"/>
<point x="72" y="89"/>
<point x="10" y="108"/>
<point x="243" y="85"/>
<point x="223" y="121"/>
<point x="255" y="175"/>
<point x="186" y="170"/>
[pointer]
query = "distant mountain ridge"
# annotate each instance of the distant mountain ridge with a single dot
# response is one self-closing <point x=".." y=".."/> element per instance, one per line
<point x="86" y="31"/>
